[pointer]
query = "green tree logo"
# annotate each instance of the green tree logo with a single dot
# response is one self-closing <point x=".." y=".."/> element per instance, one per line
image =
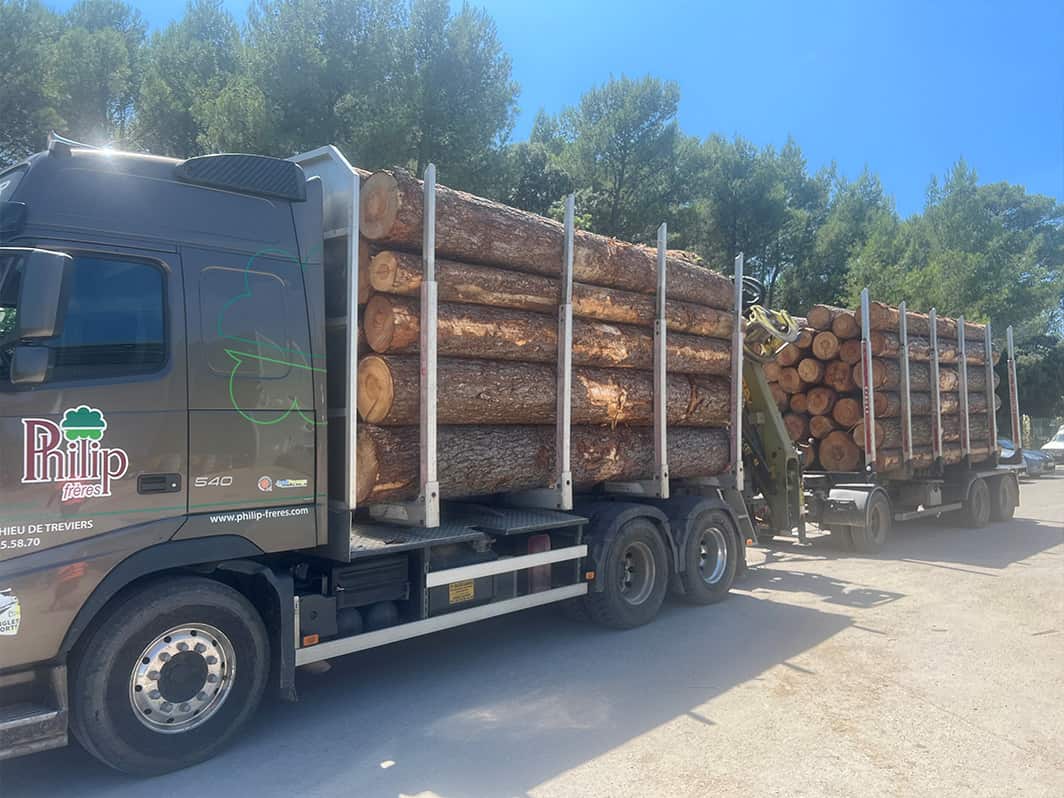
<point x="83" y="422"/>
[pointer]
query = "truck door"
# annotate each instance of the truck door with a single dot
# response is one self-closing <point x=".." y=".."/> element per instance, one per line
<point x="99" y="440"/>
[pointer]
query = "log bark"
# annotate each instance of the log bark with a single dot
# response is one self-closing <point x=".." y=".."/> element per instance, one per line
<point x="392" y="325"/>
<point x="884" y="317"/>
<point x="920" y="403"/>
<point x="890" y="460"/>
<point x="837" y="452"/>
<point x="886" y="374"/>
<point x="790" y="381"/>
<point x="888" y="431"/>
<point x="476" y="461"/>
<point x="476" y="230"/>
<point x="797" y="426"/>
<point x="888" y="344"/>
<point x="821" y="400"/>
<point x="400" y="273"/>
<point x="799" y="403"/>
<point x="847" y="412"/>
<point x="839" y="376"/>
<point x="498" y="392"/>
<point x="825" y="345"/>
<point x="811" y="370"/>
<point x="850" y="351"/>
<point x="822" y="426"/>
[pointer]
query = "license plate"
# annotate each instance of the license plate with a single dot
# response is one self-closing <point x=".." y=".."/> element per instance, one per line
<point x="457" y="592"/>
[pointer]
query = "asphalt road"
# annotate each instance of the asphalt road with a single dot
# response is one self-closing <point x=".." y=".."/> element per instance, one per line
<point x="936" y="669"/>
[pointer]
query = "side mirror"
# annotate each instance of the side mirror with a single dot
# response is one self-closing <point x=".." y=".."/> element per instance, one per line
<point x="40" y="292"/>
<point x="29" y="364"/>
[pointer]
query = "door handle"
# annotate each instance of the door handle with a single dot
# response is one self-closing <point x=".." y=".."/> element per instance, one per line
<point x="159" y="483"/>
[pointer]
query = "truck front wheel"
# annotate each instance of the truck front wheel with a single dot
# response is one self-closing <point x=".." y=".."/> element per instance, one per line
<point x="168" y="675"/>
<point x="635" y="577"/>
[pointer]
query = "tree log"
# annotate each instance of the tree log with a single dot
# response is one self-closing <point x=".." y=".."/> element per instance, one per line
<point x="772" y="371"/>
<point x="797" y="426"/>
<point x="805" y="338"/>
<point x="821" y="316"/>
<point x="850" y="351"/>
<point x="825" y="345"/>
<point x="888" y="344"/>
<point x="498" y="392"/>
<point x="920" y="403"/>
<point x="822" y="426"/>
<point x="847" y="412"/>
<point x="798" y="403"/>
<point x="886" y="374"/>
<point x="475" y="461"/>
<point x="789" y="355"/>
<point x="888" y="431"/>
<point x="476" y="230"/>
<point x="393" y="325"/>
<point x="790" y="381"/>
<point x="845" y="325"/>
<point x="400" y="273"/>
<point x="780" y="396"/>
<point x="837" y="452"/>
<point x="884" y="317"/>
<point x="811" y="370"/>
<point x="821" y="400"/>
<point x="839" y="376"/>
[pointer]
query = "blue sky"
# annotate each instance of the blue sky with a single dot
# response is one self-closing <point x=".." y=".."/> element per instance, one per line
<point x="902" y="87"/>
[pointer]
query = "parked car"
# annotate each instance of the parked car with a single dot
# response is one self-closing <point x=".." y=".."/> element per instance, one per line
<point x="1055" y="447"/>
<point x="1049" y="465"/>
<point x="1034" y="464"/>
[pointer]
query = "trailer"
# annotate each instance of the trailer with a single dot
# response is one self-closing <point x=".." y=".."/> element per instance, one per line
<point x="168" y="553"/>
<point x="860" y="507"/>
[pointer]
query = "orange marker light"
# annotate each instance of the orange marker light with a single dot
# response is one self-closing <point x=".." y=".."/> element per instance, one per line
<point x="310" y="640"/>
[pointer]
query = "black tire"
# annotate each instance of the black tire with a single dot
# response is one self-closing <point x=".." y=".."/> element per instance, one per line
<point x="103" y="716"/>
<point x="711" y="555"/>
<point x="870" y="538"/>
<point x="976" y="512"/>
<point x="841" y="537"/>
<point x="1004" y="497"/>
<point x="635" y="578"/>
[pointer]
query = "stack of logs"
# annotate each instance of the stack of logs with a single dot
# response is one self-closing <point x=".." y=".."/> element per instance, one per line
<point x="817" y="383"/>
<point x="498" y="273"/>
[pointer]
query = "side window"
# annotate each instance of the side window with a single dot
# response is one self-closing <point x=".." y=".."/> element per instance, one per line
<point x="243" y="314"/>
<point x="114" y="320"/>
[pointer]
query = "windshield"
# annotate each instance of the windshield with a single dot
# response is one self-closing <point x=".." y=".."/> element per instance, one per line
<point x="10" y="274"/>
<point x="1059" y="437"/>
<point x="9" y="182"/>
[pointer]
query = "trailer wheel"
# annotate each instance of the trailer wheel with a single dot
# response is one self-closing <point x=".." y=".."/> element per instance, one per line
<point x="168" y="675"/>
<point x="870" y="538"/>
<point x="710" y="558"/>
<point x="976" y="512"/>
<point x="1004" y="498"/>
<point x="635" y="578"/>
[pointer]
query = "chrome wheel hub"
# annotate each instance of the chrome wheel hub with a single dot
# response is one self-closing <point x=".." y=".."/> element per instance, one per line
<point x="637" y="573"/>
<point x="712" y="555"/>
<point x="182" y="678"/>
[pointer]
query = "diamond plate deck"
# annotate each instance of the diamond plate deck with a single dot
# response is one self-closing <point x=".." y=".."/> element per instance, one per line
<point x="369" y="538"/>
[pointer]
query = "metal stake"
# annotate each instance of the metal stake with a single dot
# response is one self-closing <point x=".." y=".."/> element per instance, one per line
<point x="869" y="389"/>
<point x="430" y="486"/>
<point x="906" y="385"/>
<point x="737" y="375"/>
<point x="936" y="393"/>
<point x="661" y="387"/>
<point x="991" y="410"/>
<point x="563" y="440"/>
<point x="1014" y="396"/>
<point x="962" y="353"/>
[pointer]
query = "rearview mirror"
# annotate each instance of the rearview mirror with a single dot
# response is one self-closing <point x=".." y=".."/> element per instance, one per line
<point x="40" y="291"/>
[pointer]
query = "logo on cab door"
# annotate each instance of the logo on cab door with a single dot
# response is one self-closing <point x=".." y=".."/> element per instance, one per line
<point x="72" y="454"/>
<point x="10" y="613"/>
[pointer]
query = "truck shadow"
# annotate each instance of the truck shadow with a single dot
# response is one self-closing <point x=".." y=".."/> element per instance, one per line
<point x="487" y="710"/>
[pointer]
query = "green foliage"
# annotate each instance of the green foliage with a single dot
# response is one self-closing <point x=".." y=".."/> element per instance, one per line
<point x="1040" y="376"/>
<point x="28" y="92"/>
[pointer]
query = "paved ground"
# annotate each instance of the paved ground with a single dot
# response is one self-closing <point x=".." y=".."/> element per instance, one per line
<point x="937" y="669"/>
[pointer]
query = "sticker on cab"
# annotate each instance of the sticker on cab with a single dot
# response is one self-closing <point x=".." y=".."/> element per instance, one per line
<point x="10" y="614"/>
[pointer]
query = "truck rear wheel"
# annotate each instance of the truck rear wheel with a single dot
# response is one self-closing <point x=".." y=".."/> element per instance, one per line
<point x="976" y="512"/>
<point x="635" y="578"/>
<point x="870" y="538"/>
<point x="710" y="558"/>
<point x="1003" y="498"/>
<point x="168" y="675"/>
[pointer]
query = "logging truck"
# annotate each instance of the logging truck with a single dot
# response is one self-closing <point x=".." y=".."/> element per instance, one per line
<point x="259" y="413"/>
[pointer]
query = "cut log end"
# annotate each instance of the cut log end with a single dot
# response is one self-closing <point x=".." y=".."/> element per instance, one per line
<point x="376" y="389"/>
<point x="837" y="452"/>
<point x="379" y="205"/>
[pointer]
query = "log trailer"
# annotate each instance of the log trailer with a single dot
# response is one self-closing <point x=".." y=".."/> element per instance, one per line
<point x="179" y="529"/>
